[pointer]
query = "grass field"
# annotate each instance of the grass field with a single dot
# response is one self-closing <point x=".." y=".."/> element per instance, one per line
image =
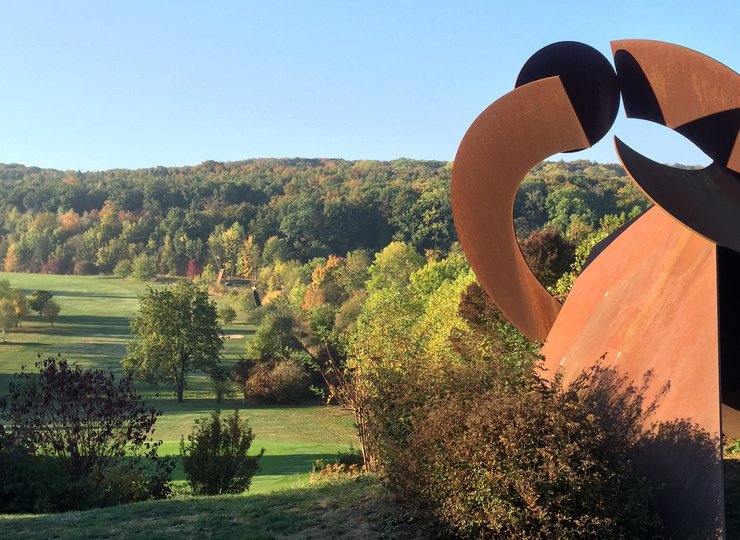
<point x="93" y="326"/>
<point x="359" y="508"/>
<point x="93" y="330"/>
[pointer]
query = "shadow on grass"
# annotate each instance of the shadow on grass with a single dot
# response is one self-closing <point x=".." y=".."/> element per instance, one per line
<point x="89" y="326"/>
<point x="208" y="405"/>
<point x="89" y="294"/>
<point x="273" y="465"/>
<point x="31" y="344"/>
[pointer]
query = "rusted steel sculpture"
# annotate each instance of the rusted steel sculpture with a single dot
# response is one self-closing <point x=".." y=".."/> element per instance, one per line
<point x="660" y="295"/>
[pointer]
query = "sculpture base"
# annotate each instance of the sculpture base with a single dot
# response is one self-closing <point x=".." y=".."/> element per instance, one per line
<point x="648" y="302"/>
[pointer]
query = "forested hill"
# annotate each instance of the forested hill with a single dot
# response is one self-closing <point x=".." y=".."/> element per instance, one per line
<point x="59" y="221"/>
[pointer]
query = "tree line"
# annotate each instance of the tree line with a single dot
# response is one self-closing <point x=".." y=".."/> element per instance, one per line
<point x="178" y="220"/>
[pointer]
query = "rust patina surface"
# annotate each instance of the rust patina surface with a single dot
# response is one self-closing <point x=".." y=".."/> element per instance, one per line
<point x="662" y="295"/>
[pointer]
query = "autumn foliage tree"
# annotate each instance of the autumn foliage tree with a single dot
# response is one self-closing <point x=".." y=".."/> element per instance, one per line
<point x="548" y="254"/>
<point x="14" y="307"/>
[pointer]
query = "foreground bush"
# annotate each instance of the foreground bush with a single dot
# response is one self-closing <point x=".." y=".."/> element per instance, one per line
<point x="215" y="456"/>
<point x="482" y="443"/>
<point x="536" y="463"/>
<point x="77" y="438"/>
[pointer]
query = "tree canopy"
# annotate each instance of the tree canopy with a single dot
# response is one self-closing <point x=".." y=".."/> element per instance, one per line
<point x="185" y="217"/>
<point x="176" y="331"/>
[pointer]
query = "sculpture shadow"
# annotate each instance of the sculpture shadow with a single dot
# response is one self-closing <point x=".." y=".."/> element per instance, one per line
<point x="680" y="460"/>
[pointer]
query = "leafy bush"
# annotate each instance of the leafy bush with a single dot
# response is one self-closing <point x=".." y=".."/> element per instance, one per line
<point x="56" y="266"/>
<point x="221" y="377"/>
<point x="75" y="438"/>
<point x="352" y="456"/>
<point x="227" y="314"/>
<point x="136" y="480"/>
<point x="194" y="268"/>
<point x="480" y="441"/>
<point x="535" y="463"/>
<point x="349" y="463"/>
<point x="85" y="417"/>
<point x="281" y="381"/>
<point x="122" y="269"/>
<point x="84" y="268"/>
<point x="37" y="483"/>
<point x="144" y="267"/>
<point x="548" y="254"/>
<point x="274" y="337"/>
<point x="215" y="456"/>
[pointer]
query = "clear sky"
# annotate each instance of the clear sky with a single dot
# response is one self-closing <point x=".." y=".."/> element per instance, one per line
<point x="98" y="85"/>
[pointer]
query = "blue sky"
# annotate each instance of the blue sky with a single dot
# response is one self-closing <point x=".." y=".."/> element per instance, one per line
<point x="98" y="85"/>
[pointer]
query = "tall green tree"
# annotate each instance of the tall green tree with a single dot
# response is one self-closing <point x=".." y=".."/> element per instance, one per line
<point x="50" y="311"/>
<point x="7" y="316"/>
<point x="39" y="299"/>
<point x="176" y="331"/>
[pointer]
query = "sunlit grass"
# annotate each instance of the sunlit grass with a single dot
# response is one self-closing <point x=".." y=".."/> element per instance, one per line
<point x="352" y="508"/>
<point x="93" y="330"/>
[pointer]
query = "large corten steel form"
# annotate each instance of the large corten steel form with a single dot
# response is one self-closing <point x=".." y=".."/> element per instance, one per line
<point x="661" y="295"/>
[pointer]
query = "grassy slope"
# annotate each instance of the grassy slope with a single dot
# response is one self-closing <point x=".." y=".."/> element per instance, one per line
<point x="293" y="437"/>
<point x="93" y="330"/>
<point x="354" y="508"/>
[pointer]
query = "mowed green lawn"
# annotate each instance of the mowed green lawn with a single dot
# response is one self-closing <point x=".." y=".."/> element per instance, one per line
<point x="93" y="329"/>
<point x="93" y="326"/>
<point x="356" y="508"/>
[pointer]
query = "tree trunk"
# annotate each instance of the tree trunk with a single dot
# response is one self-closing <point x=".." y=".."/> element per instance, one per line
<point x="180" y="377"/>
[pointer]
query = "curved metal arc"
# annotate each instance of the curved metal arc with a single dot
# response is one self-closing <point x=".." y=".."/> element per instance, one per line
<point x="684" y="90"/>
<point x="511" y="136"/>
<point x="705" y="200"/>
<point x="686" y="84"/>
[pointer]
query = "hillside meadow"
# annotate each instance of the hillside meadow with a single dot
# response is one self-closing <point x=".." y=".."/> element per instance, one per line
<point x="93" y="330"/>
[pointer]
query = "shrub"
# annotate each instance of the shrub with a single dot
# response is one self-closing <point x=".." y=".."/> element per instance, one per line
<point x="548" y="254"/>
<point x="84" y="268"/>
<point x="241" y="370"/>
<point x="352" y="456"/>
<point x="281" y="381"/>
<point x="215" y="456"/>
<point x="77" y="438"/>
<point x="535" y="463"/>
<point x="135" y="480"/>
<point x="487" y="447"/>
<point x="274" y="337"/>
<point x="349" y="463"/>
<point x="194" y="268"/>
<point x="55" y="266"/>
<point x="122" y="269"/>
<point x="227" y="314"/>
<point x="291" y="381"/>
<point x="221" y="377"/>
<point x="85" y="417"/>
<point x="144" y="267"/>
<point x="38" y="484"/>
